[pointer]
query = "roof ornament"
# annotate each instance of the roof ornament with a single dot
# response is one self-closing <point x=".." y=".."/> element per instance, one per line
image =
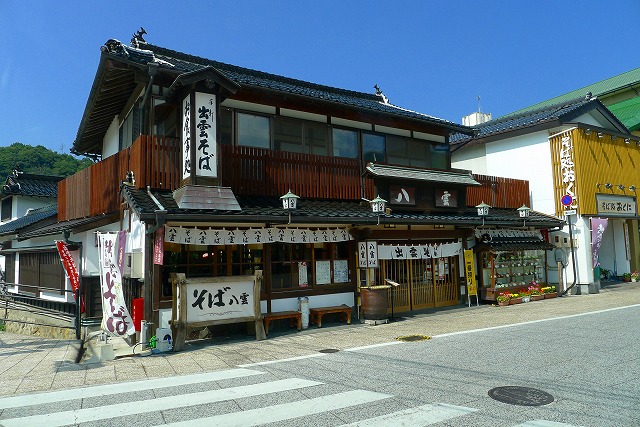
<point x="138" y="37"/>
<point x="380" y="95"/>
<point x="588" y="96"/>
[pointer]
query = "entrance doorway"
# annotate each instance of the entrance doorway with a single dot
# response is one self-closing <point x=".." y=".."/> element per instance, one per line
<point x="424" y="283"/>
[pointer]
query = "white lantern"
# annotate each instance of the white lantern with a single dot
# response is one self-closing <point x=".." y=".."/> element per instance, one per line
<point x="378" y="205"/>
<point x="524" y="211"/>
<point x="483" y="209"/>
<point x="289" y="201"/>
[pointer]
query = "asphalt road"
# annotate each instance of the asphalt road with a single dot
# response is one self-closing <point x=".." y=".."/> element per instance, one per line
<point x="588" y="363"/>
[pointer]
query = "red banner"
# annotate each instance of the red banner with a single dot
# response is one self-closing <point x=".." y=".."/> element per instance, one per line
<point x="71" y="269"/>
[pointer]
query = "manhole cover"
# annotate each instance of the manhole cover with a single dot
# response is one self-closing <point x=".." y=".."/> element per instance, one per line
<point x="329" y="350"/>
<point x="523" y="396"/>
<point x="414" y="338"/>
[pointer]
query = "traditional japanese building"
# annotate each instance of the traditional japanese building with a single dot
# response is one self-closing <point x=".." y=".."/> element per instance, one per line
<point x="581" y="162"/>
<point x="219" y="171"/>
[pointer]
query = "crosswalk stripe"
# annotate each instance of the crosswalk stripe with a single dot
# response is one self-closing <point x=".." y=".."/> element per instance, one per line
<point x="118" y="388"/>
<point x="153" y="405"/>
<point x="415" y="417"/>
<point x="286" y="411"/>
<point x="544" y="423"/>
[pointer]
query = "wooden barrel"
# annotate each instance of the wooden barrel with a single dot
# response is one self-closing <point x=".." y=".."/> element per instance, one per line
<point x="374" y="303"/>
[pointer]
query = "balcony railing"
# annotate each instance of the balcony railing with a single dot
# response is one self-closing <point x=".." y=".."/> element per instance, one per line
<point x="93" y="191"/>
<point x="247" y="171"/>
<point x="257" y="171"/>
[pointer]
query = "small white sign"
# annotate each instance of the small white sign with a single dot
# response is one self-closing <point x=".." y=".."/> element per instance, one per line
<point x="570" y="212"/>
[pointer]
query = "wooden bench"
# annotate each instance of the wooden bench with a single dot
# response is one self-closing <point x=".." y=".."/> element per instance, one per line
<point x="315" y="314"/>
<point x="293" y="315"/>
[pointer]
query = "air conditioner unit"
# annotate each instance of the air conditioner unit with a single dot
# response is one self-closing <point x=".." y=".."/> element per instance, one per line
<point x="133" y="265"/>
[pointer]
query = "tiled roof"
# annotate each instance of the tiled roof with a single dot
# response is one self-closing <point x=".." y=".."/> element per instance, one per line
<point x="75" y="225"/>
<point x="518" y="244"/>
<point x="269" y="209"/>
<point x="628" y="112"/>
<point x="564" y="111"/>
<point x="600" y="89"/>
<point x="25" y="184"/>
<point x="448" y="177"/>
<point x="31" y="217"/>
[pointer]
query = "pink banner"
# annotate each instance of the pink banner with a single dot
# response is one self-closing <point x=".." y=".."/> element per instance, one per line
<point x="598" y="226"/>
<point x="158" y="247"/>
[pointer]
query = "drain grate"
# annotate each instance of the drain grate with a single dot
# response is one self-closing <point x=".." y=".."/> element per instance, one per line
<point x="523" y="396"/>
<point x="409" y="338"/>
<point x="329" y="350"/>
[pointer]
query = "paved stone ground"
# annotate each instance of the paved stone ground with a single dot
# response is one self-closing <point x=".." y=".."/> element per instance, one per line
<point x="29" y="364"/>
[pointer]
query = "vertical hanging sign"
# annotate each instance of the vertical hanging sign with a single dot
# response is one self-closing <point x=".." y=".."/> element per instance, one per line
<point x="567" y="171"/>
<point x="186" y="137"/>
<point x="470" y="270"/>
<point x="205" y="144"/>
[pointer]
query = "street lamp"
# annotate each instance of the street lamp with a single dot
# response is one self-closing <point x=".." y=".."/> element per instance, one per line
<point x="289" y="202"/>
<point x="483" y="210"/>
<point x="524" y="212"/>
<point x="378" y="206"/>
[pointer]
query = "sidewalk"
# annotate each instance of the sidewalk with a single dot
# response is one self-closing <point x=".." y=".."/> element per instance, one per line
<point x="31" y="364"/>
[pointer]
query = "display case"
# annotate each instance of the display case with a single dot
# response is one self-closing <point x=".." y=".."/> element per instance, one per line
<point x="511" y="271"/>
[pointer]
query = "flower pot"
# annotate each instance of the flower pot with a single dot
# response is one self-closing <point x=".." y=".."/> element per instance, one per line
<point x="537" y="297"/>
<point x="551" y="295"/>
<point x="515" y="301"/>
<point x="526" y="299"/>
<point x="503" y="303"/>
<point x="634" y="280"/>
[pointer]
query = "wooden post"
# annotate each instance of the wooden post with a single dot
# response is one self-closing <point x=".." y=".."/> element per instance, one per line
<point x="179" y="311"/>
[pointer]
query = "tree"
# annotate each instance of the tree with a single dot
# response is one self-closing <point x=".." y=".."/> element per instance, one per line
<point x="38" y="160"/>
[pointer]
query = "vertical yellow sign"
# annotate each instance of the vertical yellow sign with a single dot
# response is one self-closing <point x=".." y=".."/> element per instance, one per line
<point x="470" y="270"/>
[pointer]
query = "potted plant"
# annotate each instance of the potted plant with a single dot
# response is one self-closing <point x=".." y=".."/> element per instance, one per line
<point x="604" y="274"/>
<point x="516" y="298"/>
<point x="536" y="293"/>
<point x="634" y="276"/>
<point x="626" y="277"/>
<point x="503" y="298"/>
<point x="549" y="292"/>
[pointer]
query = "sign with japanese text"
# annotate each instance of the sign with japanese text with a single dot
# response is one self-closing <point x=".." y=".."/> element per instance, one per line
<point x="419" y="251"/>
<point x="70" y="268"/>
<point x="567" y="170"/>
<point x="116" y="320"/>
<point x="210" y="301"/>
<point x="598" y="227"/>
<point x="186" y="137"/>
<point x="402" y="195"/>
<point x="616" y="205"/>
<point x="447" y="198"/>
<point x="470" y="272"/>
<point x="199" y="236"/>
<point x="158" y="246"/>
<point x="199" y="135"/>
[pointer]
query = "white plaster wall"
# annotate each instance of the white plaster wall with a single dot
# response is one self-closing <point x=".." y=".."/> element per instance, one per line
<point x="111" y="142"/>
<point x="21" y="204"/>
<point x="622" y="263"/>
<point x="291" y="304"/>
<point x="472" y="158"/>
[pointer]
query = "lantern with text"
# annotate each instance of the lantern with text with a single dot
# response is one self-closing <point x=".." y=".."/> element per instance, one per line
<point x="289" y="203"/>
<point x="524" y="212"/>
<point x="483" y="210"/>
<point x="378" y="206"/>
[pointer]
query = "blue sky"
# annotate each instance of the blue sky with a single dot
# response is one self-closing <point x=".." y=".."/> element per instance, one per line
<point x="432" y="56"/>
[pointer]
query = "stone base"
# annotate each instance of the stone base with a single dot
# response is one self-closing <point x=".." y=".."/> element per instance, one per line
<point x="586" y="289"/>
<point x="375" y="322"/>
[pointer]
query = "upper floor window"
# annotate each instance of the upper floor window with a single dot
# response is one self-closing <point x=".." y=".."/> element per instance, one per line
<point x="440" y="156"/>
<point x="6" y="209"/>
<point x="373" y="147"/>
<point x="253" y="131"/>
<point x="345" y="143"/>
<point x="130" y="128"/>
<point x="300" y="137"/>
<point x="408" y="152"/>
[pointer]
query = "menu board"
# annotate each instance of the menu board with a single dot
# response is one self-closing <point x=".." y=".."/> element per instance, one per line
<point x="340" y="271"/>
<point x="323" y="272"/>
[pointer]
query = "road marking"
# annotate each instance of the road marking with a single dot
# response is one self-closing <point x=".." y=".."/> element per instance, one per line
<point x="270" y="362"/>
<point x="118" y="388"/>
<point x="415" y="417"/>
<point x="286" y="411"/>
<point x="569" y="316"/>
<point x="79" y="416"/>
<point x="366" y="347"/>
<point x="544" y="423"/>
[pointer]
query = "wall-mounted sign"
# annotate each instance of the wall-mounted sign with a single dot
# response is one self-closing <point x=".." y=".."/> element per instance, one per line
<point x="568" y="172"/>
<point x="616" y="205"/>
<point x="199" y="135"/>
<point x="402" y="195"/>
<point x="447" y="198"/>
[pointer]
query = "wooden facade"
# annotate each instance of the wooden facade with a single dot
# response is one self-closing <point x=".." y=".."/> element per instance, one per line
<point x="156" y="162"/>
